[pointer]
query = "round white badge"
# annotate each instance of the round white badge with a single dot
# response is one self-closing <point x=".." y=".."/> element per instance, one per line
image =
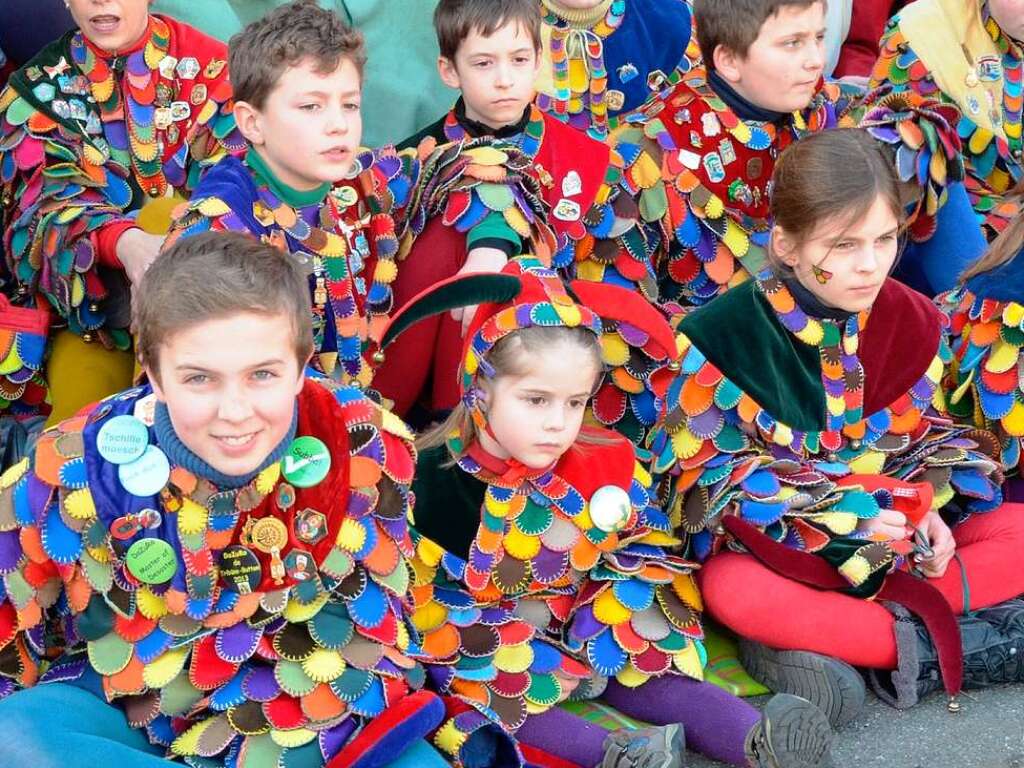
<point x="610" y="508"/>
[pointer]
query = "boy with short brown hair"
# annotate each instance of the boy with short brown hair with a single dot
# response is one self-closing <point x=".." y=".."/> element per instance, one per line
<point x="224" y="549"/>
<point x="307" y="186"/>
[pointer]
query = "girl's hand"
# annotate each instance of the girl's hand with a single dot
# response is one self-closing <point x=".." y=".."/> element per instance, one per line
<point x="888" y="524"/>
<point x="942" y="543"/>
<point x="478" y="260"/>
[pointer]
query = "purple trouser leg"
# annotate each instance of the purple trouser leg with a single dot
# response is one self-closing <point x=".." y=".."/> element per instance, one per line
<point x="716" y="722"/>
<point x="564" y="735"/>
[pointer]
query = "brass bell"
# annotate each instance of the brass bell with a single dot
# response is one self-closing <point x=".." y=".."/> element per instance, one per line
<point x="378" y="356"/>
<point x="87" y="337"/>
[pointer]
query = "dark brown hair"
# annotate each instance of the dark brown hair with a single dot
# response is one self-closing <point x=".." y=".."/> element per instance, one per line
<point x="454" y="20"/>
<point x="735" y="24"/>
<point x="1007" y="245"/>
<point x="839" y="172"/>
<point x="215" y="275"/>
<point x="509" y="357"/>
<point x="287" y="36"/>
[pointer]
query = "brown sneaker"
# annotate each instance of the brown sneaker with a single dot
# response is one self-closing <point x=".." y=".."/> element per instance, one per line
<point x="656" y="746"/>
<point x="792" y="733"/>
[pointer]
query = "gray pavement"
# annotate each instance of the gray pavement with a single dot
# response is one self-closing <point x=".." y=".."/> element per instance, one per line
<point x="987" y="733"/>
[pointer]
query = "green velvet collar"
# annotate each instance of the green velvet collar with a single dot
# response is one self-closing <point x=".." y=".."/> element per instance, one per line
<point x="296" y="198"/>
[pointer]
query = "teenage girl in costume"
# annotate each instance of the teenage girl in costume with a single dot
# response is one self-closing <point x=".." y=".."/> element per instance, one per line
<point x="987" y="322"/>
<point x="542" y="566"/>
<point x="807" y="406"/>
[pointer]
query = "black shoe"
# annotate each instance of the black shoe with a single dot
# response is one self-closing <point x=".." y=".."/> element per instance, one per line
<point x="656" y="746"/>
<point x="792" y="733"/>
<point x="833" y="685"/>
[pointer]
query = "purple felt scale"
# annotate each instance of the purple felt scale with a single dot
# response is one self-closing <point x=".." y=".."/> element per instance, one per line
<point x="261" y="685"/>
<point x="237" y="642"/>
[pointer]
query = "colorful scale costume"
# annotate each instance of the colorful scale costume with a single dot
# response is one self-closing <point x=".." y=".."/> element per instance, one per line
<point x="260" y="625"/>
<point x="602" y="63"/>
<point x="567" y="576"/>
<point x="701" y="177"/>
<point x="954" y="51"/>
<point x="86" y="137"/>
<point x="348" y="240"/>
<point x="987" y="379"/>
<point x="792" y="429"/>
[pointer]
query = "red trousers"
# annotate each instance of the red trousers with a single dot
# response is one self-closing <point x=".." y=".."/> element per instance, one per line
<point x="759" y="604"/>
<point x="430" y="350"/>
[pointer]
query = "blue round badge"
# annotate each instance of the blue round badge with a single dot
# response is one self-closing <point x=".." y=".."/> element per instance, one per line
<point x="147" y="475"/>
<point x="122" y="439"/>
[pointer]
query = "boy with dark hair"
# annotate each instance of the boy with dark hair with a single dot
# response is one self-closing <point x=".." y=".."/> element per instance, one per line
<point x="306" y="186"/>
<point x="489" y="51"/>
<point x="702" y="152"/>
<point x="213" y="566"/>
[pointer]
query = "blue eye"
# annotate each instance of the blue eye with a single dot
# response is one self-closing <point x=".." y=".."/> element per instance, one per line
<point x="197" y="379"/>
<point x="264" y="375"/>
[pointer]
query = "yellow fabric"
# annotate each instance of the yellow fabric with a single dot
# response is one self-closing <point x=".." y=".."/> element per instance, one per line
<point x="80" y="373"/>
<point x="936" y="29"/>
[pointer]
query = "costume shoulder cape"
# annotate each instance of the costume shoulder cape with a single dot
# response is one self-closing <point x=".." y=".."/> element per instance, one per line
<point x="954" y="52"/>
<point x="987" y="324"/>
<point x="82" y="145"/>
<point x="286" y="671"/>
<point x="635" y="50"/>
<point x="546" y="595"/>
<point x="700" y="175"/>
<point x="783" y="419"/>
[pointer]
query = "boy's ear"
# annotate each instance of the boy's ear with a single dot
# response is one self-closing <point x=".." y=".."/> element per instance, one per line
<point x="247" y="117"/>
<point x="727" y="63"/>
<point x="154" y="382"/>
<point x="449" y="74"/>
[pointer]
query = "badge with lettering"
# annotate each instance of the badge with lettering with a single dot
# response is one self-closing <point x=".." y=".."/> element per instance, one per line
<point x="162" y="118"/>
<point x="151" y="561"/>
<point x="627" y="72"/>
<point x="166" y="66"/>
<point x="306" y="462"/>
<point x="616" y="99"/>
<point x="990" y="69"/>
<point x="310" y="526"/>
<point x="147" y="475"/>
<point x="713" y="167"/>
<point x="269" y="535"/>
<point x="571" y="184"/>
<point x="188" y="68"/>
<point x="567" y="210"/>
<point x="122" y="439"/>
<point x="240" y="568"/>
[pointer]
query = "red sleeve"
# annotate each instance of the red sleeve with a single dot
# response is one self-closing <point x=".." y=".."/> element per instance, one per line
<point x="867" y="25"/>
<point x="104" y="241"/>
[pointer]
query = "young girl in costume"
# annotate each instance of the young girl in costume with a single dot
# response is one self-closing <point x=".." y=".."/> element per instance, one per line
<point x="987" y="322"/>
<point x="120" y="112"/>
<point x="808" y="406"/>
<point x="542" y="563"/>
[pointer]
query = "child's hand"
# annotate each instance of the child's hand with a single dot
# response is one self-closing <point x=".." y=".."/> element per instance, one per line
<point x="942" y="543"/>
<point x="478" y="260"/>
<point x="888" y="524"/>
<point x="136" y="250"/>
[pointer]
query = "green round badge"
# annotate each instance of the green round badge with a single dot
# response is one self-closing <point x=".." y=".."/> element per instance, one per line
<point x="306" y="463"/>
<point x="151" y="561"/>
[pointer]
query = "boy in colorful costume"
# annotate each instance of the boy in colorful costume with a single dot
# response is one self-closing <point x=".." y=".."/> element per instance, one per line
<point x="602" y="59"/>
<point x="968" y="54"/>
<point x="221" y="554"/>
<point x="113" y="116"/>
<point x="305" y="185"/>
<point x="490" y="50"/>
<point x="550" y="574"/>
<point x="827" y="431"/>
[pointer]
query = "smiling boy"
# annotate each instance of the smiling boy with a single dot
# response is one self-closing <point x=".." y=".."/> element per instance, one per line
<point x="214" y="564"/>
